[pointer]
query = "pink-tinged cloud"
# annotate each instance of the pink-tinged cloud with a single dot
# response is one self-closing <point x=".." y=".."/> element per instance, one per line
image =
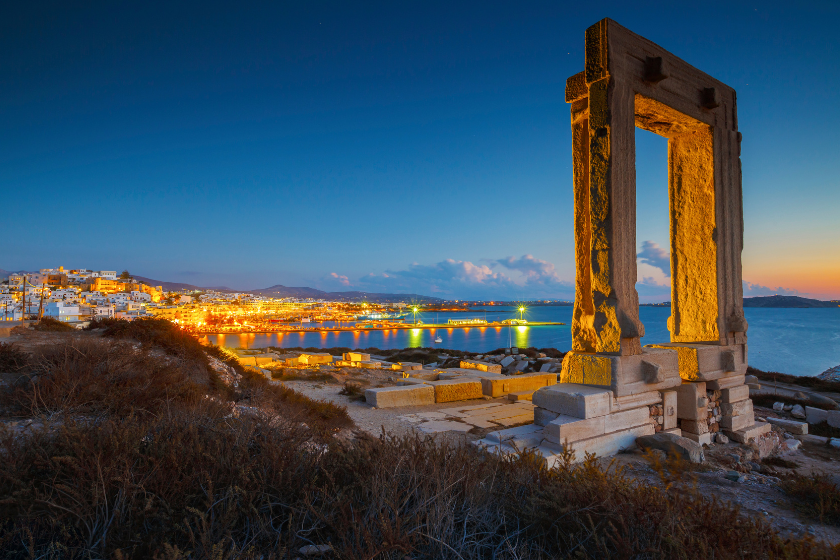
<point x="751" y="290"/>
<point x="343" y="280"/>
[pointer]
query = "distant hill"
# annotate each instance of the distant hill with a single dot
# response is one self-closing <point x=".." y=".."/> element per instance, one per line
<point x="6" y="273"/>
<point x="786" y="302"/>
<point x="176" y="286"/>
<point x="280" y="291"/>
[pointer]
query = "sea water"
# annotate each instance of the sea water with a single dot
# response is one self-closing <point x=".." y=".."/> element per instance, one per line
<point x="794" y="341"/>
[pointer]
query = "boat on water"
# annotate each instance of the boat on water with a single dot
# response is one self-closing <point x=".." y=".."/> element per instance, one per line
<point x="438" y="340"/>
<point x="376" y="316"/>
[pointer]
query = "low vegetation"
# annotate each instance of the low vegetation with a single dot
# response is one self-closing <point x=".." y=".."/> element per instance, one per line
<point x="48" y="324"/>
<point x="354" y="390"/>
<point x="824" y="430"/>
<point x="768" y="401"/>
<point x="187" y="486"/>
<point x="776" y="461"/>
<point x="803" y="381"/>
<point x="143" y="454"/>
<point x="815" y="495"/>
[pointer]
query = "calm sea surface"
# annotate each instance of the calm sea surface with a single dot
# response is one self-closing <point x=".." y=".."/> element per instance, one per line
<point x="794" y="341"/>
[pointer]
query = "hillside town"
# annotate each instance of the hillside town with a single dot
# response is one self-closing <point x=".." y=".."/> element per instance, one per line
<point x="78" y="296"/>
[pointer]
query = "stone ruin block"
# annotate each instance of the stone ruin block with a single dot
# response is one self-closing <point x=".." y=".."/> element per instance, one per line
<point x="502" y="385"/>
<point x="481" y="366"/>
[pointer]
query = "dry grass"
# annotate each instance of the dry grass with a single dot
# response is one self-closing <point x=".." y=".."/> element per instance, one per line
<point x="824" y="430"/>
<point x="354" y="390"/>
<point x="196" y="485"/>
<point x="816" y="496"/>
<point x="768" y="401"/>
<point x="776" y="461"/>
<point x="803" y="381"/>
<point x="48" y="324"/>
<point x="94" y="376"/>
<point x="12" y="358"/>
<point x="175" y="476"/>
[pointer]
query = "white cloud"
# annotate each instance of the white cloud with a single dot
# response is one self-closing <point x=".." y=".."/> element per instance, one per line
<point x="654" y="255"/>
<point x="535" y="271"/>
<point x="751" y="290"/>
<point x="454" y="279"/>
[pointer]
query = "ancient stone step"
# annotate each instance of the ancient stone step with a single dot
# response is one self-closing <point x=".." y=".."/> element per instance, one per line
<point x="603" y="446"/>
<point x="570" y="399"/>
<point x="792" y="426"/>
<point x="520" y="396"/>
<point x="744" y="435"/>
<point x="513" y="384"/>
<point x="389" y="397"/>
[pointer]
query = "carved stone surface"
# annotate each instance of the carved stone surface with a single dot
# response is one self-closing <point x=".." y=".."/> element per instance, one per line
<point x="630" y="82"/>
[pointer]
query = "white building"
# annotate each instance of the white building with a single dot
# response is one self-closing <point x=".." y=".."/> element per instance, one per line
<point x="62" y="311"/>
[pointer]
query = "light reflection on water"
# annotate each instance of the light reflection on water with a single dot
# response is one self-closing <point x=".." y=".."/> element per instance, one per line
<point x="795" y="341"/>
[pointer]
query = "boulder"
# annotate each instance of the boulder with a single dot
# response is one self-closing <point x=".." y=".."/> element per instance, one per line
<point x="670" y="443"/>
<point x="506" y="361"/>
<point x="797" y="411"/>
<point x="778" y="406"/>
<point x="823" y="400"/>
<point x="793" y="444"/>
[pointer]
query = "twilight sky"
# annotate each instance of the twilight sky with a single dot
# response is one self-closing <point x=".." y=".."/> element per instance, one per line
<point x="385" y="146"/>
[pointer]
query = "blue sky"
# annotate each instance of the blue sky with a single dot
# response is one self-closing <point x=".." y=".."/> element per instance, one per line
<point x="384" y="146"/>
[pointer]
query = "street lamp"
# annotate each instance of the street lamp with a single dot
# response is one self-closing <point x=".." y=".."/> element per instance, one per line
<point x="414" y="310"/>
<point x="521" y="311"/>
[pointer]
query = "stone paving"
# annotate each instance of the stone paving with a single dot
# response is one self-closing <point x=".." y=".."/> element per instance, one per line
<point x="466" y="417"/>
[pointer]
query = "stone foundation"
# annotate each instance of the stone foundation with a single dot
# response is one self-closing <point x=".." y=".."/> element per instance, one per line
<point x="583" y="419"/>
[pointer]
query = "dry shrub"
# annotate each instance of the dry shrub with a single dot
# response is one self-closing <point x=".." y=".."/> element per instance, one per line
<point x="93" y="376"/>
<point x="354" y="390"/>
<point x="48" y="324"/>
<point x="207" y="486"/>
<point x="824" y="429"/>
<point x="322" y="417"/>
<point x="776" y="461"/>
<point x="191" y="479"/>
<point x="802" y="380"/>
<point x="767" y="401"/>
<point x="158" y="333"/>
<point x="814" y="495"/>
<point x="12" y="358"/>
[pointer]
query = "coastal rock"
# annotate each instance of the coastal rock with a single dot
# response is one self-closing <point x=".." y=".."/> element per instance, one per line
<point x="778" y="406"/>
<point x="797" y="411"/>
<point x="831" y="374"/>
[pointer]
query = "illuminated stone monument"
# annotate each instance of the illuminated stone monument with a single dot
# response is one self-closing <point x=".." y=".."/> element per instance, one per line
<point x="612" y="389"/>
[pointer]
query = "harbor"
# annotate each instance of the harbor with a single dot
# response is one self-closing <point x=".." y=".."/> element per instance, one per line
<point x="358" y="327"/>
